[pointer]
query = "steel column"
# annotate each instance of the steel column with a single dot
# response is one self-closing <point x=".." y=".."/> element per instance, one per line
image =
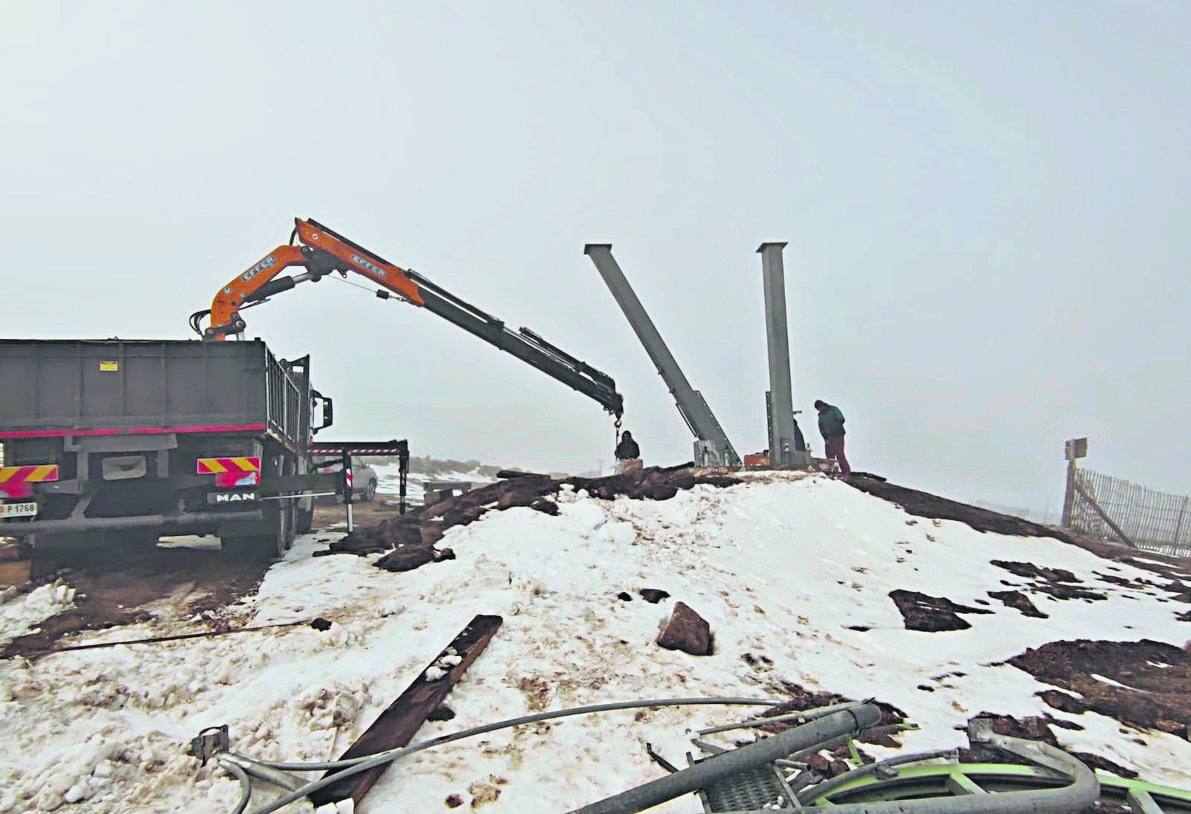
<point x="783" y="449"/>
<point x="691" y="405"/>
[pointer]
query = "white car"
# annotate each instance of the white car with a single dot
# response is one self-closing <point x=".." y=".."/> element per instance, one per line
<point x="363" y="477"/>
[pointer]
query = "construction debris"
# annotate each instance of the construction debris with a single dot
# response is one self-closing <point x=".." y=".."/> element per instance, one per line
<point x="396" y="726"/>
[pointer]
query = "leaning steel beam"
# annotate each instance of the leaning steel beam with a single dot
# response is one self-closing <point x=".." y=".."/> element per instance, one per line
<point x="691" y="404"/>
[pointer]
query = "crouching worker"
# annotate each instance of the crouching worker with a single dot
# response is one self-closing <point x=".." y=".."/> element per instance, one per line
<point x="628" y="455"/>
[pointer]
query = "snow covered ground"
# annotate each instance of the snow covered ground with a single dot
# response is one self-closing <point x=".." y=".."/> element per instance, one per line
<point x="780" y="566"/>
<point x="26" y="613"/>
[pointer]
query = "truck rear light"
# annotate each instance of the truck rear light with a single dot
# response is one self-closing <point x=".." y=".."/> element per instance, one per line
<point x="231" y="471"/>
<point x="17" y="481"/>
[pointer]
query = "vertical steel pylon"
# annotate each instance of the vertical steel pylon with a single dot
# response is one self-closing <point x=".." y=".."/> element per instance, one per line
<point x="783" y="446"/>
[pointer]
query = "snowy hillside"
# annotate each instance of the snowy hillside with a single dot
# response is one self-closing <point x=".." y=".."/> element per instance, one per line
<point x="793" y="573"/>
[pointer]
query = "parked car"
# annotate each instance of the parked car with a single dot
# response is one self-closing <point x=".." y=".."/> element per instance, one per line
<point x="363" y="477"/>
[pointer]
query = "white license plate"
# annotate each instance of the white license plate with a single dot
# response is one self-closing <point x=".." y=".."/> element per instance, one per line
<point x="18" y="509"/>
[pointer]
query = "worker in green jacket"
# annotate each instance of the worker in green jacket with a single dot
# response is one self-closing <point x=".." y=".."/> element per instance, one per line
<point x="831" y="427"/>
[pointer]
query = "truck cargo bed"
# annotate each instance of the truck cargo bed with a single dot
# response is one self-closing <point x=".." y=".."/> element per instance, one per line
<point x="97" y="387"/>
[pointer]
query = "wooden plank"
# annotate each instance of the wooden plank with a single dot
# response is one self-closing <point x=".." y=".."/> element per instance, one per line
<point x="1104" y="516"/>
<point x="396" y="726"/>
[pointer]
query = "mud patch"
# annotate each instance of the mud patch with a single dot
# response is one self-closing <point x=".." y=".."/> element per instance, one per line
<point x="931" y="613"/>
<point x="924" y="504"/>
<point x="1139" y="683"/>
<point x="113" y="592"/>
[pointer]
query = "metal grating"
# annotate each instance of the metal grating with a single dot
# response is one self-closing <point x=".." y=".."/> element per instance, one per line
<point x="755" y="788"/>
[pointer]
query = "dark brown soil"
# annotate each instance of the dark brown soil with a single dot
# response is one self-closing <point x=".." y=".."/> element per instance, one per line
<point x="924" y="504"/>
<point x="409" y="557"/>
<point x="1156" y="677"/>
<point x="1057" y="582"/>
<point x="113" y="592"/>
<point x="1018" y="601"/>
<point x="931" y="613"/>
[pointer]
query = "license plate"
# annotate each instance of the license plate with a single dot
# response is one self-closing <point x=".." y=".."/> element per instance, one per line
<point x="18" y="509"/>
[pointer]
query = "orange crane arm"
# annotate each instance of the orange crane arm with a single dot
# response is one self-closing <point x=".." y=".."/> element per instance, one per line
<point x="320" y="252"/>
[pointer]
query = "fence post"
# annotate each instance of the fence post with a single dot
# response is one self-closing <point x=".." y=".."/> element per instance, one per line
<point x="1069" y="496"/>
<point x="1178" y="528"/>
<point x="1074" y="448"/>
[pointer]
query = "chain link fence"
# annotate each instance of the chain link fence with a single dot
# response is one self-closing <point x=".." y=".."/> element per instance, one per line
<point x="1154" y="521"/>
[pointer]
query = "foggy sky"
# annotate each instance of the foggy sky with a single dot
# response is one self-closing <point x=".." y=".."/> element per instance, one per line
<point x="985" y="206"/>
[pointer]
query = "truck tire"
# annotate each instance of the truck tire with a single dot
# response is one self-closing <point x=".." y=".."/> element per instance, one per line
<point x="369" y="492"/>
<point x="136" y="543"/>
<point x="305" y="520"/>
<point x="261" y="546"/>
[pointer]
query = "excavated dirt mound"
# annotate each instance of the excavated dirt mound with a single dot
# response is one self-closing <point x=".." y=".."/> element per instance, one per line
<point x="415" y="534"/>
<point x="1140" y="683"/>
<point x="924" y="504"/>
<point x="931" y="613"/>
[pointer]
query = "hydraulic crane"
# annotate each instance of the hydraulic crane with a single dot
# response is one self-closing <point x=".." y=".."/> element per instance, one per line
<point x="321" y="251"/>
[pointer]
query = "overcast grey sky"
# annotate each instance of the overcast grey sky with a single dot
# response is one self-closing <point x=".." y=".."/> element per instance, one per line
<point x="986" y="208"/>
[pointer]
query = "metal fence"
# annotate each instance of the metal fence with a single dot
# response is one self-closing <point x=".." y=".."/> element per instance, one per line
<point x="1151" y="520"/>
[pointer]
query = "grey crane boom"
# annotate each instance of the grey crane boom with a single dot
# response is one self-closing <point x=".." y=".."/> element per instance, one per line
<point x="712" y="446"/>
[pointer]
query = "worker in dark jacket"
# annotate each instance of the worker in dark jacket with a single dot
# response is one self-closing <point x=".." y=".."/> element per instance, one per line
<point x="831" y="427"/>
<point x="628" y="454"/>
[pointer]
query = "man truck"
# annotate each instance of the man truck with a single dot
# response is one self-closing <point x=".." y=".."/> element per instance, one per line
<point x="127" y="441"/>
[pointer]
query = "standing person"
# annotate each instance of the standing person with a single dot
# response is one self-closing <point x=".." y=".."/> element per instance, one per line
<point x="831" y="426"/>
<point x="628" y="454"/>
